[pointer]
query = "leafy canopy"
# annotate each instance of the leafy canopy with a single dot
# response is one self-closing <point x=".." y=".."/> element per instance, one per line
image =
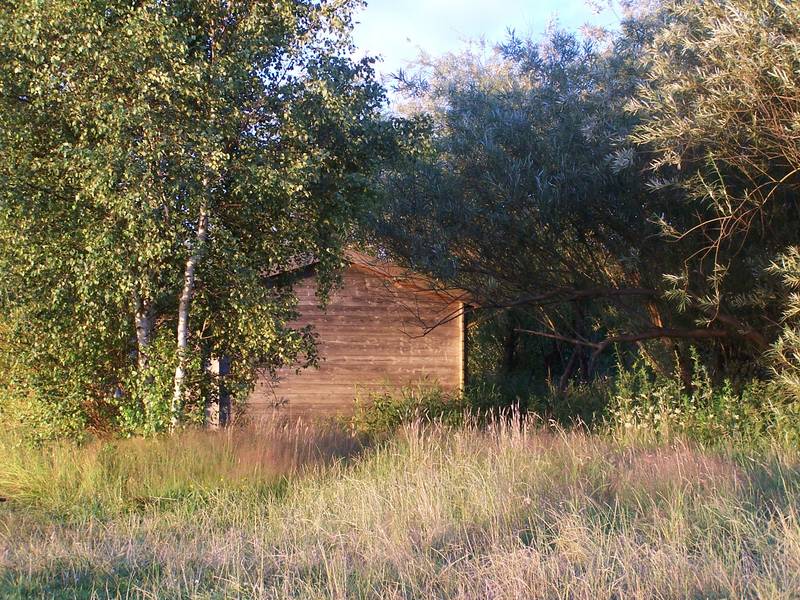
<point x="124" y="125"/>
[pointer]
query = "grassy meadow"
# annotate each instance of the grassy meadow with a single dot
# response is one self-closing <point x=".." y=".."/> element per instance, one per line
<point x="511" y="510"/>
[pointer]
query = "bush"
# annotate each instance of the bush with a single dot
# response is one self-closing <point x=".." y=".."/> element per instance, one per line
<point x="636" y="403"/>
<point x="383" y="413"/>
<point x="758" y="413"/>
<point x="582" y="403"/>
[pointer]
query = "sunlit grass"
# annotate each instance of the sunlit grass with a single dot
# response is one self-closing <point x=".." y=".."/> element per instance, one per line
<point x="112" y="476"/>
<point x="510" y="511"/>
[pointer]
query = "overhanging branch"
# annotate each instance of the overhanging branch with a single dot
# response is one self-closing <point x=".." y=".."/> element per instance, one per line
<point x="647" y="334"/>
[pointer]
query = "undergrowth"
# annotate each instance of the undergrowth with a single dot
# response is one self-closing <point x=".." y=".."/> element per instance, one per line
<point x="667" y="492"/>
<point x="113" y="476"/>
<point x="636" y="402"/>
<point x="505" y="510"/>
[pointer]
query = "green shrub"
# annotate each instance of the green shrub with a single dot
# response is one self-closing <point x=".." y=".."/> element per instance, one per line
<point x="642" y="404"/>
<point x="481" y="402"/>
<point x="381" y="414"/>
<point x="582" y="403"/>
<point x="636" y="403"/>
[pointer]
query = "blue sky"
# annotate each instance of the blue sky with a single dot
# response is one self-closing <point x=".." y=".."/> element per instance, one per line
<point x="398" y="29"/>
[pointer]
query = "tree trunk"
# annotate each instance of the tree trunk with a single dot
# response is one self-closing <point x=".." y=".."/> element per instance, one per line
<point x="568" y="371"/>
<point x="183" y="317"/>
<point x="510" y="350"/>
<point x="580" y="330"/>
<point x="686" y="369"/>
<point x="143" y="319"/>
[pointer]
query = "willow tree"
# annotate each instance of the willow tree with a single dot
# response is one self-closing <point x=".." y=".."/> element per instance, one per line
<point x="719" y="112"/>
<point x="160" y="159"/>
<point x="528" y="194"/>
<point x="630" y="191"/>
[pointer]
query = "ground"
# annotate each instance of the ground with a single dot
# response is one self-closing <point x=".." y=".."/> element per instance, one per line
<point x="512" y="511"/>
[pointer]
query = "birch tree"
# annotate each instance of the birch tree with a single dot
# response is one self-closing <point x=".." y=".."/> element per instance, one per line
<point x="159" y="159"/>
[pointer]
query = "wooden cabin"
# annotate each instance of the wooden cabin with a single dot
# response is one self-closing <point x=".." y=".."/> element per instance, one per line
<point x="381" y="330"/>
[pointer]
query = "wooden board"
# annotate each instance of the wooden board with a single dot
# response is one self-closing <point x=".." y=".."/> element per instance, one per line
<point x="371" y="338"/>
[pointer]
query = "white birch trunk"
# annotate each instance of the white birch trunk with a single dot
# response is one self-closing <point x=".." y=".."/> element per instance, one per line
<point x="143" y="320"/>
<point x="183" y="317"/>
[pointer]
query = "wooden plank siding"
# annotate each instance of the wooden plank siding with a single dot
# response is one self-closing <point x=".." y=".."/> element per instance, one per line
<point x="370" y="339"/>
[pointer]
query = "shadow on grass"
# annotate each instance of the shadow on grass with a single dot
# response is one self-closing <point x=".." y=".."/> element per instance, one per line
<point x="188" y="470"/>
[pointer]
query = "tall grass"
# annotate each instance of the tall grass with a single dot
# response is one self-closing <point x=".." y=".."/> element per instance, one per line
<point x="111" y="476"/>
<point x="511" y="510"/>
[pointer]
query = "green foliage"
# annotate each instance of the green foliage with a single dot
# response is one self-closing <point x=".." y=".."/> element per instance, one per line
<point x="719" y="100"/>
<point x="718" y="109"/>
<point x="516" y="192"/>
<point x="758" y="414"/>
<point x="380" y="415"/>
<point x="145" y="409"/>
<point x="51" y="408"/>
<point x="615" y="190"/>
<point x="123" y="129"/>
<point x="522" y="177"/>
<point x="529" y="195"/>
<point x="785" y="353"/>
<point x="636" y="403"/>
<point x="580" y="404"/>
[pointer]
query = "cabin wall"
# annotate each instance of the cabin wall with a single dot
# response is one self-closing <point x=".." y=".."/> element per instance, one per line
<point x="370" y="339"/>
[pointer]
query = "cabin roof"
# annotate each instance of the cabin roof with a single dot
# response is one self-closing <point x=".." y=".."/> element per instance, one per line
<point x="406" y="278"/>
<point x="400" y="276"/>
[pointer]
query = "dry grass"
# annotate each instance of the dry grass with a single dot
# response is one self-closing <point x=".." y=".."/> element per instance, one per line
<point x="512" y="512"/>
<point x="113" y="476"/>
